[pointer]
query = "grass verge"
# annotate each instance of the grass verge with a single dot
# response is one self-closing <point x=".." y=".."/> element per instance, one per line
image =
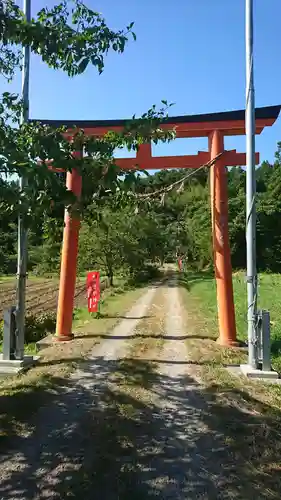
<point x="202" y="293"/>
<point x="247" y="413"/>
<point x="199" y="298"/>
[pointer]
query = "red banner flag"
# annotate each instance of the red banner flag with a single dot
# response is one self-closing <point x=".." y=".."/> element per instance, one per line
<point x="93" y="290"/>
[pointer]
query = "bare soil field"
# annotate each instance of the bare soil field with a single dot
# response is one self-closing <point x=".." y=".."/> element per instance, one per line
<point x="42" y="294"/>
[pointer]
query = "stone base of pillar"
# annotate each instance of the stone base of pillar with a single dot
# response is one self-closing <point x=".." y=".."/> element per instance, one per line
<point x="230" y="343"/>
<point x="63" y="338"/>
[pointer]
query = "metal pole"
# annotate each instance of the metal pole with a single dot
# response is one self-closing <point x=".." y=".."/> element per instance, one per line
<point x="22" y="231"/>
<point x="251" y="190"/>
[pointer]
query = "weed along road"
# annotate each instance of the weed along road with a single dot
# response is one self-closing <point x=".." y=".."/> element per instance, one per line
<point x="140" y="416"/>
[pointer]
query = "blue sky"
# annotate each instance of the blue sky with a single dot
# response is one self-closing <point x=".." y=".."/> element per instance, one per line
<point x="190" y="52"/>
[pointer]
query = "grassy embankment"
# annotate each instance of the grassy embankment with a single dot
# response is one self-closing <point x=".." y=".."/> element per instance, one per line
<point x="246" y="413"/>
<point x="199" y="297"/>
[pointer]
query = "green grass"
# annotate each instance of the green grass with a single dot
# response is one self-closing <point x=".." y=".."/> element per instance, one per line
<point x="28" y="349"/>
<point x="247" y="411"/>
<point x="7" y="278"/>
<point x="202" y="288"/>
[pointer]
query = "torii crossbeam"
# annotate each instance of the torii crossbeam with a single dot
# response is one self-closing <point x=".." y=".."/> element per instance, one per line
<point x="215" y="126"/>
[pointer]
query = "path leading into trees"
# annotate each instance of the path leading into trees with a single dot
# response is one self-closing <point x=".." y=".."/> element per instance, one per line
<point x="132" y="423"/>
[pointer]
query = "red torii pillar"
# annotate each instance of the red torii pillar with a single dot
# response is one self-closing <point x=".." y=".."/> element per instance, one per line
<point x="68" y="262"/>
<point x="221" y="246"/>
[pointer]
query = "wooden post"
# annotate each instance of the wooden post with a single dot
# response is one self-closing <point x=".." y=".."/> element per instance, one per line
<point x="221" y="246"/>
<point x="68" y="263"/>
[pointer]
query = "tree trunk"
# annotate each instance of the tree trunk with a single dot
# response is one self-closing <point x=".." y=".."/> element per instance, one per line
<point x="110" y="277"/>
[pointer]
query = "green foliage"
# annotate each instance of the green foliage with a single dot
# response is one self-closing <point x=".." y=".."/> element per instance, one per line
<point x="46" y="256"/>
<point x="36" y="327"/>
<point x="122" y="234"/>
<point x="8" y="240"/>
<point x="68" y="37"/>
<point x="147" y="273"/>
<point x="115" y="241"/>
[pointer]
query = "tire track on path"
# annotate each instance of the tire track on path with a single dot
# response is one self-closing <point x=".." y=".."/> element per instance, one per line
<point x="184" y="455"/>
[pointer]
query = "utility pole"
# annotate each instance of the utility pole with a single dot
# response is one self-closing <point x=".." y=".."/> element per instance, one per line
<point x="22" y="231"/>
<point x="252" y="282"/>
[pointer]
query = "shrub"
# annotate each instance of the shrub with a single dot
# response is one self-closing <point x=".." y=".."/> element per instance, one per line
<point x="36" y="326"/>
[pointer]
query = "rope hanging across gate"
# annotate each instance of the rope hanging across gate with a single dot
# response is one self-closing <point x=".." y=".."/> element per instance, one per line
<point x="180" y="182"/>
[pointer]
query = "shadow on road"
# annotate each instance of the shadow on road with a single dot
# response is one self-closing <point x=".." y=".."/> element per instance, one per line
<point x="100" y="440"/>
<point x="105" y="336"/>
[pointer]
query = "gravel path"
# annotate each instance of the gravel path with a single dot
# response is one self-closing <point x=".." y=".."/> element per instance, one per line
<point x="185" y="463"/>
<point x="126" y="427"/>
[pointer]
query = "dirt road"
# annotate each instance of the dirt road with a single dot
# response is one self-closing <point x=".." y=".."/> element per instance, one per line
<point x="131" y="423"/>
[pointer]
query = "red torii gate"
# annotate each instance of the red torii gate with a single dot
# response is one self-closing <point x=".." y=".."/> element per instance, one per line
<point x="215" y="126"/>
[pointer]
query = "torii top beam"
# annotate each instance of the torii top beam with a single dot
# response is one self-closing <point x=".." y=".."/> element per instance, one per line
<point x="228" y="122"/>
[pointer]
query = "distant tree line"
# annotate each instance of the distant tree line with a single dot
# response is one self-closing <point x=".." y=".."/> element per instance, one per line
<point x="118" y="236"/>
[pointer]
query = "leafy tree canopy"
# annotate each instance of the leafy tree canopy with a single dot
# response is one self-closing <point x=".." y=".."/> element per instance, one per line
<point x="68" y="37"/>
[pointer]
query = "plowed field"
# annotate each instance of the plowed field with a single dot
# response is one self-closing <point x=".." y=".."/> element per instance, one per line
<point x="42" y="294"/>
